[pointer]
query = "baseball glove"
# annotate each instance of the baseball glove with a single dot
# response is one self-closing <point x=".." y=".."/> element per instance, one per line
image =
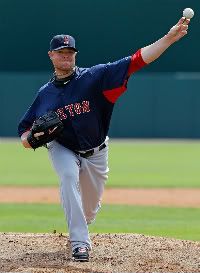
<point x="45" y="129"/>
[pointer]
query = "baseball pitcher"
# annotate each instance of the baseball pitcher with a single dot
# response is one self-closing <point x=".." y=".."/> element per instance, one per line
<point x="70" y="116"/>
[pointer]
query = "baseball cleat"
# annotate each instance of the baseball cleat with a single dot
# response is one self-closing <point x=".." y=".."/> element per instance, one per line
<point x="80" y="254"/>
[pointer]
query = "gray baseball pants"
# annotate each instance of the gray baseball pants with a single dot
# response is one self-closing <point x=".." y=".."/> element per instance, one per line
<point x="82" y="182"/>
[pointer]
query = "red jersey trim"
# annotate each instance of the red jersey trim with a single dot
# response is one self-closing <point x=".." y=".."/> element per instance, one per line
<point x="113" y="94"/>
<point x="136" y="63"/>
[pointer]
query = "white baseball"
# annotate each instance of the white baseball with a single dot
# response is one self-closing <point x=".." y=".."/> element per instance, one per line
<point x="188" y="13"/>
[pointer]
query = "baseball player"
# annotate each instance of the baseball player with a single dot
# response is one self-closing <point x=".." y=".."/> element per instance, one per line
<point x="84" y="99"/>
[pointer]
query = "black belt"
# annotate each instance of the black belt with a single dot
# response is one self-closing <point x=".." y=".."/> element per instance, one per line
<point x="90" y="152"/>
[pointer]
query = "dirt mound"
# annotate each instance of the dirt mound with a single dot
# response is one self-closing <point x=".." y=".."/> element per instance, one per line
<point x="114" y="253"/>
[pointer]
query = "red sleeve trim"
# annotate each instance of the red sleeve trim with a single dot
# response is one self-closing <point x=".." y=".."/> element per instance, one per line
<point x="136" y="63"/>
<point x="113" y="94"/>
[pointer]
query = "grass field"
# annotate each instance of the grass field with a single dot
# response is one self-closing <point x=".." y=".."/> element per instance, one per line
<point x="144" y="164"/>
<point x="167" y="222"/>
<point x="132" y="164"/>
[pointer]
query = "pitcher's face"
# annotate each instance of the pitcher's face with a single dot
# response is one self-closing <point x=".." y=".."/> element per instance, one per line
<point x="63" y="59"/>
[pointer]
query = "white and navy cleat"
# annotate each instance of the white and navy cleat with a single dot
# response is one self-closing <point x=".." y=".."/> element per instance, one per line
<point x="80" y="254"/>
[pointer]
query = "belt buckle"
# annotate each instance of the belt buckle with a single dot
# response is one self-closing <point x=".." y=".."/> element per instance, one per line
<point x="87" y="154"/>
<point x="90" y="153"/>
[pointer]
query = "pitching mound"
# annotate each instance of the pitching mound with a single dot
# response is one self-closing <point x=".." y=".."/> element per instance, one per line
<point x="111" y="253"/>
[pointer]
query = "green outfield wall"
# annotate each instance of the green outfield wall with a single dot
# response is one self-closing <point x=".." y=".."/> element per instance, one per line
<point x="162" y="100"/>
<point x="105" y="30"/>
<point x="155" y="105"/>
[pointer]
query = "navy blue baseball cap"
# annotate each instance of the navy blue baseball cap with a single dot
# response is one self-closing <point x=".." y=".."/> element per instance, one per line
<point x="62" y="41"/>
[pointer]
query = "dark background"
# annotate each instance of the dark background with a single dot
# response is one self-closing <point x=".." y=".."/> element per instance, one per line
<point x="104" y="30"/>
<point x="163" y="98"/>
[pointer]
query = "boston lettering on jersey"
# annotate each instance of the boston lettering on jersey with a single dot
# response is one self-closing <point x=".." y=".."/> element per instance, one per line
<point x="71" y="109"/>
<point x="85" y="103"/>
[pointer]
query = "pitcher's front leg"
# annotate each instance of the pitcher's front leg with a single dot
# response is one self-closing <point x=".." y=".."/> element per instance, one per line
<point x="67" y="165"/>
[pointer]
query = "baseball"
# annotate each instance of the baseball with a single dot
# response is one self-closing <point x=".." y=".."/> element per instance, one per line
<point x="188" y="13"/>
